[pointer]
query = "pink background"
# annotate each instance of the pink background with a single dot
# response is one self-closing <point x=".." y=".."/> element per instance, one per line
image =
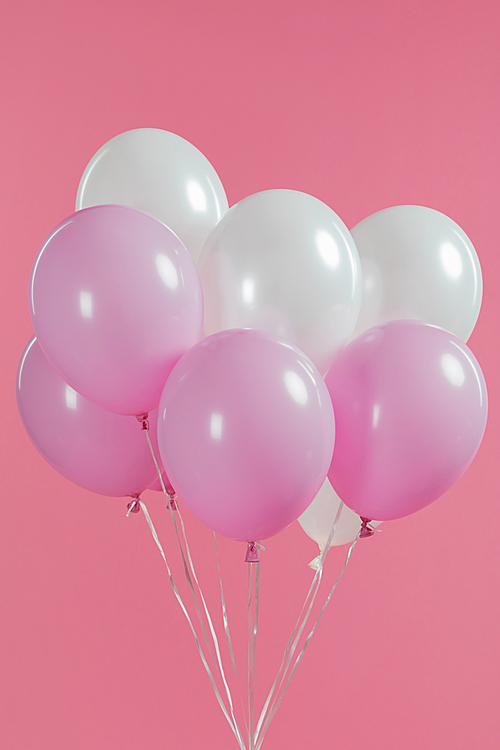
<point x="364" y="105"/>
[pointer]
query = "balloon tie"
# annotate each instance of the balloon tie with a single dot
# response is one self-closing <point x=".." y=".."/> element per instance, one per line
<point x="253" y="552"/>
<point x="134" y="506"/>
<point x="172" y="497"/>
<point x="366" y="529"/>
<point x="143" y="419"/>
<point x="315" y="564"/>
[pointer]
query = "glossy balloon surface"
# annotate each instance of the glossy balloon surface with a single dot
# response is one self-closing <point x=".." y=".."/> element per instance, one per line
<point x="100" y="451"/>
<point x="317" y="520"/>
<point x="246" y="433"/>
<point x="162" y="174"/>
<point x="115" y="300"/>
<point x="283" y="262"/>
<point x="418" y="263"/>
<point x="410" y="405"/>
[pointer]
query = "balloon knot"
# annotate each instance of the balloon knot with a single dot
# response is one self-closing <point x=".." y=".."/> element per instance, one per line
<point x="366" y="529"/>
<point x="314" y="564"/>
<point x="253" y="552"/>
<point x="172" y="497"/>
<point x="134" y="506"/>
<point x="143" y="419"/>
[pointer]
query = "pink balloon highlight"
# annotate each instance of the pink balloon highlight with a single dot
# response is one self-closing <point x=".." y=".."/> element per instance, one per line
<point x="115" y="301"/>
<point x="246" y="432"/>
<point x="103" y="452"/>
<point x="410" y="405"/>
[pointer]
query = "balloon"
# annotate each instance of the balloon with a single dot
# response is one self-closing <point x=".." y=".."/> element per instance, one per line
<point x="284" y="262"/>
<point x="156" y="486"/>
<point x="100" y="451"/>
<point x="115" y="301"/>
<point x="417" y="263"/>
<point x="410" y="406"/>
<point x="317" y="520"/>
<point x="246" y="433"/>
<point x="160" y="173"/>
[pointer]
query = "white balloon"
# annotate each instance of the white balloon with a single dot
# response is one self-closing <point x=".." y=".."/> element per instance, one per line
<point x="318" y="519"/>
<point x="283" y="262"/>
<point x="162" y="174"/>
<point x="417" y="264"/>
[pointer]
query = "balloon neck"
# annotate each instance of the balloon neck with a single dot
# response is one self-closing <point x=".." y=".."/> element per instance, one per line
<point x="144" y="421"/>
<point x="135" y="505"/>
<point x="314" y="564"/>
<point x="172" y="498"/>
<point x="253" y="553"/>
<point x="366" y="529"/>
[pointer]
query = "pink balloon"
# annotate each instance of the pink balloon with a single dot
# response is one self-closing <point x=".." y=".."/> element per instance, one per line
<point x="410" y="405"/>
<point x="100" y="451"/>
<point x="246" y="432"/>
<point x="157" y="486"/>
<point x="115" y="301"/>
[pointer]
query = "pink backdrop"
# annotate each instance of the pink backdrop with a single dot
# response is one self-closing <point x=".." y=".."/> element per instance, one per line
<point x="364" y="105"/>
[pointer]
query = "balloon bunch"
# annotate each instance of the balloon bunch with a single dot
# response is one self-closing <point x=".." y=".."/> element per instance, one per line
<point x="332" y="382"/>
<point x="246" y="427"/>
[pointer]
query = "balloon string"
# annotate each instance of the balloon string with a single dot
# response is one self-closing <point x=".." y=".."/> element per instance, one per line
<point x="253" y="617"/>
<point x="200" y="593"/>
<point x="181" y="604"/>
<point x="298" y="628"/>
<point x="257" y="591"/>
<point x="306" y="643"/>
<point x="212" y="630"/>
<point x="227" y="632"/>
<point x="186" y="571"/>
<point x="250" y="641"/>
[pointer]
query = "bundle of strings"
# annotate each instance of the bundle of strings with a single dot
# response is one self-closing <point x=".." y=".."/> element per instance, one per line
<point x="249" y="738"/>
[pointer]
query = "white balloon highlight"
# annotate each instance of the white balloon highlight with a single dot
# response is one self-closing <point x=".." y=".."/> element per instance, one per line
<point x="162" y="174"/>
<point x="283" y="262"/>
<point x="418" y="264"/>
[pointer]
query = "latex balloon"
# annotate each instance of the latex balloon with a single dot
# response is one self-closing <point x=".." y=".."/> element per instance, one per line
<point x="157" y="487"/>
<point x="100" y="451"/>
<point x="284" y="262"/>
<point x="115" y="301"/>
<point x="160" y="173"/>
<point x="317" y="520"/>
<point x="246" y="433"/>
<point x="418" y="264"/>
<point x="410" y="406"/>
